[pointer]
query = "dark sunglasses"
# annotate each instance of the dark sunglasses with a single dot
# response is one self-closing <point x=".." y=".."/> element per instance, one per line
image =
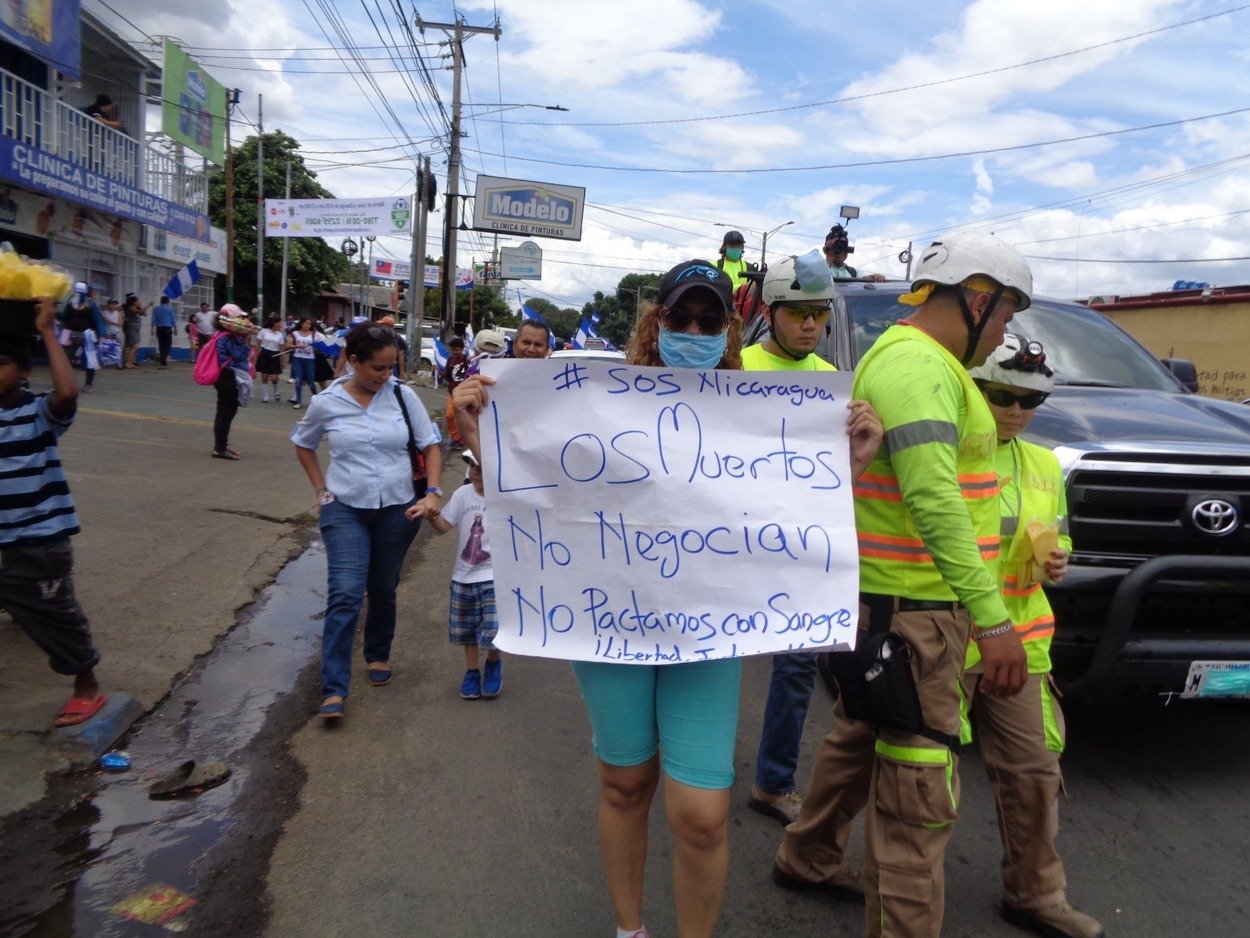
<point x="1027" y="401"/>
<point x="709" y="323"/>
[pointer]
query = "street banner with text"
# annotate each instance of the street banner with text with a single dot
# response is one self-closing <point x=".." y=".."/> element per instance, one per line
<point x="331" y="218"/>
<point x="656" y="516"/>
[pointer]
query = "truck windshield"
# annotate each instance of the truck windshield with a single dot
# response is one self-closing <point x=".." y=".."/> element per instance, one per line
<point x="1081" y="345"/>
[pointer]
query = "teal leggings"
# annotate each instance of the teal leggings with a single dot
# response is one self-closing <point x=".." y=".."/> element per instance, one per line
<point x="688" y="711"/>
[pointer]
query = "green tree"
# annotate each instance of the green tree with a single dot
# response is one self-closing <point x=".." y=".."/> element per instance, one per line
<point x="312" y="265"/>
<point x="618" y="310"/>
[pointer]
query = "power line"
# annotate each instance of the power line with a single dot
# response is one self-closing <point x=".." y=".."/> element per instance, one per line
<point x="876" y="94"/>
<point x="1120" y="260"/>
<point x="902" y="160"/>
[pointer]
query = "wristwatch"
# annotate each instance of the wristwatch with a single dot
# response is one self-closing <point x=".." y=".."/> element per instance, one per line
<point x="434" y="490"/>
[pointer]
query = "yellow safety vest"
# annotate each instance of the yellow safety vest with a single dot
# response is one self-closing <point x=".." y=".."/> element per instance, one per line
<point x="736" y="270"/>
<point x="1031" y="489"/>
<point x="926" y="509"/>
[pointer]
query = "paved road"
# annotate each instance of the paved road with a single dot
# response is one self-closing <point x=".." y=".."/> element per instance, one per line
<point x="428" y="815"/>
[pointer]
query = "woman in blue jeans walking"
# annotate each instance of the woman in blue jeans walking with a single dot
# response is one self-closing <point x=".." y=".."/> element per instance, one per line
<point x="363" y="497"/>
<point x="303" y="360"/>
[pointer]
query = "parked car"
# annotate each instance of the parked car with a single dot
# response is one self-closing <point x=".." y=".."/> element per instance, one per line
<point x="1158" y="485"/>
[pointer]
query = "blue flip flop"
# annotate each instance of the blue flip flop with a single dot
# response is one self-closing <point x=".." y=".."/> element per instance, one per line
<point x="379" y="677"/>
<point x="331" y="711"/>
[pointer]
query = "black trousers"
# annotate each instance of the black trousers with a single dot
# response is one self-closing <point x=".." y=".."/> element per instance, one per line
<point x="164" y="342"/>
<point x="37" y="587"/>
<point x="227" y="407"/>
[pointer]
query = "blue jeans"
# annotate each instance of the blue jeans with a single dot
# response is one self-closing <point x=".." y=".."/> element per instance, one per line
<point x="789" y="694"/>
<point x="365" y="550"/>
<point x="303" y="370"/>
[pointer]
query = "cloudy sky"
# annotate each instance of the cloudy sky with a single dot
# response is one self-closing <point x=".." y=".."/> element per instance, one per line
<point x="1095" y="136"/>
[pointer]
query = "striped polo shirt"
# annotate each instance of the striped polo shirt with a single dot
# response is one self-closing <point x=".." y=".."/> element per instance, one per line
<point x="35" y="504"/>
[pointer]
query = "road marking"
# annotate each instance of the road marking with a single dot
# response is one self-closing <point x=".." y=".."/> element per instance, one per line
<point x="123" y="415"/>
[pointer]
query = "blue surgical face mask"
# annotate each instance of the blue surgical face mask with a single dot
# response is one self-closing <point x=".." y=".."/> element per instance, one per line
<point x="734" y="254"/>
<point x="684" y="350"/>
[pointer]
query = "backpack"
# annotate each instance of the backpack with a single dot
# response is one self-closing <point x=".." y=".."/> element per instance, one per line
<point x="207" y="367"/>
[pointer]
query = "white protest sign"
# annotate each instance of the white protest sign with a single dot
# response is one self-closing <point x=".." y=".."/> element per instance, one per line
<point x="654" y="516"/>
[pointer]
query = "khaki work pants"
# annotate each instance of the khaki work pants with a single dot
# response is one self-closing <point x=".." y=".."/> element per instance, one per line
<point x="909" y="784"/>
<point x="1020" y="739"/>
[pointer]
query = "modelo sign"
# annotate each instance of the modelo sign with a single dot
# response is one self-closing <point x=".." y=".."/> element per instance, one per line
<point x="536" y="209"/>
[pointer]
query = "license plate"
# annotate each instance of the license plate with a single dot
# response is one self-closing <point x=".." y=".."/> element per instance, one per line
<point x="1218" y="679"/>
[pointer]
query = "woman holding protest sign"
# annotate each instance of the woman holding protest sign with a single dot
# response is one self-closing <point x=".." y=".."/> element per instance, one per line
<point x="678" y="720"/>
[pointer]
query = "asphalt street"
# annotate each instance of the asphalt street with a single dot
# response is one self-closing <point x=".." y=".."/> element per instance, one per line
<point x="424" y="814"/>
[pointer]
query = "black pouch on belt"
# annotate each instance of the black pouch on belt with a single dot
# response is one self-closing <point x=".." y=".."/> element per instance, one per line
<point x="876" y="684"/>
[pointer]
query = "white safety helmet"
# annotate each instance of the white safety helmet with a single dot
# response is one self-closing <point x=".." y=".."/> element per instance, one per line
<point x="962" y="255"/>
<point x="1017" y="363"/>
<point x="794" y="279"/>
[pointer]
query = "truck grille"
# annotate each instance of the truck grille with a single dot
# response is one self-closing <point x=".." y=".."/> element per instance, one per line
<point x="1136" y="514"/>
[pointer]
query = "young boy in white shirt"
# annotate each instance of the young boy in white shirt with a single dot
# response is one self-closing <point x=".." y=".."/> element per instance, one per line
<point x="472" y="622"/>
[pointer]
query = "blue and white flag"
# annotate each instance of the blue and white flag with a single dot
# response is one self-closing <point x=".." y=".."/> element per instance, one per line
<point x="584" y="332"/>
<point x="183" y="281"/>
<point x="441" y="355"/>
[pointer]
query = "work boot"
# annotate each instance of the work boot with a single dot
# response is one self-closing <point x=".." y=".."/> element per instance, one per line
<point x="1055" y="921"/>
<point x="848" y="886"/>
<point x="784" y="807"/>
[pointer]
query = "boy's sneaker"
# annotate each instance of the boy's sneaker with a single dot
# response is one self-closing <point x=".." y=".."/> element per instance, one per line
<point x="471" y="686"/>
<point x="492" y="679"/>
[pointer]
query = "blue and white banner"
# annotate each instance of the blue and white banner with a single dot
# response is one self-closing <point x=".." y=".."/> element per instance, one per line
<point x="183" y="281"/>
<point x="37" y="169"/>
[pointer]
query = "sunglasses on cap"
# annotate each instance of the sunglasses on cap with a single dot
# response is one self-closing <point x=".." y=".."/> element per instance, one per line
<point x="712" y="323"/>
<point x="1029" y="400"/>
<point x="800" y="314"/>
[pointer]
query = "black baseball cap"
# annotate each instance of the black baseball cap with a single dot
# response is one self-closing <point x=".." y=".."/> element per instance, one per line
<point x="696" y="275"/>
<point x="733" y="237"/>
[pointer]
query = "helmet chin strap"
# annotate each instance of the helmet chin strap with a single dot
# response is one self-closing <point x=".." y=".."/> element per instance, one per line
<point x="777" y="340"/>
<point x="976" y="328"/>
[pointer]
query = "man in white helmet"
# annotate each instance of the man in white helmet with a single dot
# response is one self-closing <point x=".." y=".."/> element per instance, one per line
<point x="798" y="294"/>
<point x="1021" y="737"/>
<point x="926" y="512"/>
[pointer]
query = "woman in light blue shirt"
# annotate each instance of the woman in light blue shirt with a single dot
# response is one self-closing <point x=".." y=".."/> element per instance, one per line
<point x="363" y="496"/>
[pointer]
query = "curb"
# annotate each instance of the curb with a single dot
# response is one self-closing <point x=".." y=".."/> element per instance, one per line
<point x="81" y="746"/>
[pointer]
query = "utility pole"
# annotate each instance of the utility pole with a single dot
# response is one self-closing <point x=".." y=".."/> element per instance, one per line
<point x="232" y="98"/>
<point x="260" y="206"/>
<point x="416" y="269"/>
<point x="458" y="30"/>
<point x="286" y="245"/>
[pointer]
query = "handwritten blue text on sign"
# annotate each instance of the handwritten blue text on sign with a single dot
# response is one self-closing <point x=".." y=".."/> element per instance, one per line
<point x="653" y="516"/>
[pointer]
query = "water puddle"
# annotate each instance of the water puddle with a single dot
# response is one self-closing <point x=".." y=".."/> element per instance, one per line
<point x="127" y="864"/>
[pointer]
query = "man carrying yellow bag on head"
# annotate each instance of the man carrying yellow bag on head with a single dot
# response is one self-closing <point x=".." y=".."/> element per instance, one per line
<point x="1021" y="737"/>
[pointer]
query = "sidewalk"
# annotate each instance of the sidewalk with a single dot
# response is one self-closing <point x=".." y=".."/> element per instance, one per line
<point x="173" y="542"/>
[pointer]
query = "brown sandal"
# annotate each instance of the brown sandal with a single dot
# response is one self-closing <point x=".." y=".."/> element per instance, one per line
<point x="226" y="454"/>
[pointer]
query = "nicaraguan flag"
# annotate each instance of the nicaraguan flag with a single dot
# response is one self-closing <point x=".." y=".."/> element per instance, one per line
<point x="183" y="281"/>
<point x="584" y="332"/>
<point x="441" y="355"/>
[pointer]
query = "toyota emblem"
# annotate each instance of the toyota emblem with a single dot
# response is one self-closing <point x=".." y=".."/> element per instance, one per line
<point x="1215" y="517"/>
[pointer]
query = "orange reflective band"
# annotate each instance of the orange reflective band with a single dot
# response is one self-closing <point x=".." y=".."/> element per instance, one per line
<point x="1041" y="627"/>
<point x="905" y="549"/>
<point x="989" y="546"/>
<point x="882" y="488"/>
<point x="1011" y="589"/>
<point x="979" y="485"/>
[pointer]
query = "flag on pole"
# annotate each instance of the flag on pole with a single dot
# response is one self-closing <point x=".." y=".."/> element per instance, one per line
<point x="584" y="332"/>
<point x="182" y="281"/>
<point x="441" y="355"/>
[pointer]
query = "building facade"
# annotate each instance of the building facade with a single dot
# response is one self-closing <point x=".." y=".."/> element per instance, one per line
<point x="116" y="207"/>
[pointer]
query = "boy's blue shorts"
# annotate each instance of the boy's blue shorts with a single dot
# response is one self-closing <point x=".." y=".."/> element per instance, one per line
<point x="688" y="711"/>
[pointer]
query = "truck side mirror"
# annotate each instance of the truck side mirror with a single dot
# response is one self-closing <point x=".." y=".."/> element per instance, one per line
<point x="1184" y="371"/>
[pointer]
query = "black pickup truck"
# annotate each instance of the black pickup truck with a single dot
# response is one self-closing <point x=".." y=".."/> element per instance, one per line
<point x="1157" y="599"/>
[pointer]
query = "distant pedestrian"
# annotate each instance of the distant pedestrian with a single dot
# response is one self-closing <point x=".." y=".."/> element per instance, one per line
<point x="163" y="322"/>
<point x="454" y="372"/>
<point x="368" y="420"/>
<point x="234" y="384"/>
<point x="133" y="312"/>
<point x="269" y="360"/>
<point x="303" y="360"/>
<point x="205" y="322"/>
<point x="37" y="517"/>
<point x="472" y="622"/>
